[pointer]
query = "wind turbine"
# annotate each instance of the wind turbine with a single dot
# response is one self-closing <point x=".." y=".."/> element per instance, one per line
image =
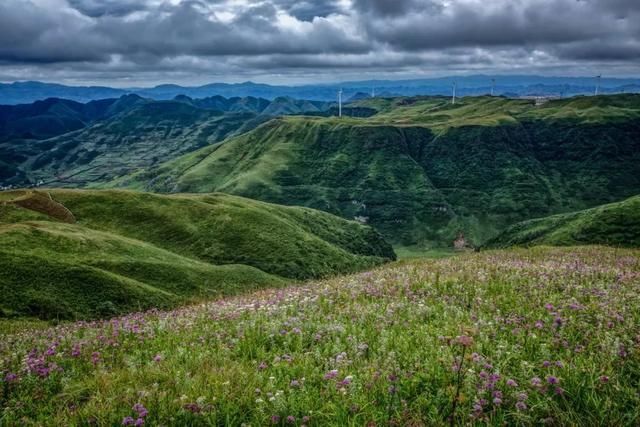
<point x="340" y="103"/>
<point x="453" y="99"/>
<point x="598" y="78"/>
<point x="373" y="92"/>
<point x="493" y="86"/>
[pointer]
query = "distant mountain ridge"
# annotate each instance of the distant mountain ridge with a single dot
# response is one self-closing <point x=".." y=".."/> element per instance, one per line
<point x="27" y="92"/>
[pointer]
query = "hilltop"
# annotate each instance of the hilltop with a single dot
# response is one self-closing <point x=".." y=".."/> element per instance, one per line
<point x="615" y="224"/>
<point x="83" y="253"/>
<point x="421" y="170"/>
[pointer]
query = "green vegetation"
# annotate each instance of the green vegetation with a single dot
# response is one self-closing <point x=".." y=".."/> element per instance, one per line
<point x="422" y="170"/>
<point x="67" y="144"/>
<point x="519" y="337"/>
<point x="123" y="251"/>
<point x="616" y="224"/>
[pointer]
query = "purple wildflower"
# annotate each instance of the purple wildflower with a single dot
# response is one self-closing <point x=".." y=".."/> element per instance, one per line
<point x="512" y="383"/>
<point x="95" y="357"/>
<point x="127" y="421"/>
<point x="552" y="380"/>
<point x="331" y="374"/>
<point x="464" y="340"/>
<point x="141" y="410"/>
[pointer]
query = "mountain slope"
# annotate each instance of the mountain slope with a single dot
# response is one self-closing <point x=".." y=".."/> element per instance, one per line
<point x="136" y="250"/>
<point x="67" y="144"/>
<point x="421" y="170"/>
<point x="148" y="133"/>
<point x="616" y="224"/>
<point x="54" y="116"/>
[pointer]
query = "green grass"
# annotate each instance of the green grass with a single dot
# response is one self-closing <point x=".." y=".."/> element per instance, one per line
<point x="422" y="170"/>
<point x="130" y="251"/>
<point x="616" y="224"/>
<point x="519" y="337"/>
<point x="417" y="252"/>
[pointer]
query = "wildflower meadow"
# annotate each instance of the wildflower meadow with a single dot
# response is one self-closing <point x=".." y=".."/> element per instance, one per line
<point x="519" y="337"/>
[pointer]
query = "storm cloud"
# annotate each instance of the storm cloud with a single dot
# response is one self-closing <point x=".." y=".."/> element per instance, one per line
<point x="183" y="40"/>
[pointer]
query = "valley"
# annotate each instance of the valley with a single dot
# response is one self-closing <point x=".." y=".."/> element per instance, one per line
<point x="68" y="144"/>
<point x="421" y="170"/>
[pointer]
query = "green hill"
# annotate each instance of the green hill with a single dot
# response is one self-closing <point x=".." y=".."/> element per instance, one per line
<point x="149" y="133"/>
<point x="616" y="224"/>
<point x="421" y="169"/>
<point x="82" y="254"/>
<point x="68" y="144"/>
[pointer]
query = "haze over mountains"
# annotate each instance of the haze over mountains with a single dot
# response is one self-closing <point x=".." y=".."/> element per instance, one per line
<point x="511" y="85"/>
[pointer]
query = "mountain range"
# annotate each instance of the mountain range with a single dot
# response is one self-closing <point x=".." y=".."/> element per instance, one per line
<point x="472" y="85"/>
<point x="73" y="144"/>
<point x="422" y="170"/>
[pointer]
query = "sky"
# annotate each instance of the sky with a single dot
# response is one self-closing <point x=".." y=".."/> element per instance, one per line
<point x="147" y="42"/>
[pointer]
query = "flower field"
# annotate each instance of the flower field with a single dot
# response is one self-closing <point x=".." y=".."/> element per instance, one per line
<point x="515" y="337"/>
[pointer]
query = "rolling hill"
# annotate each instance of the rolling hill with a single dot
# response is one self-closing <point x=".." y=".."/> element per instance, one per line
<point x="84" y="254"/>
<point x="615" y="224"/>
<point x="420" y="170"/>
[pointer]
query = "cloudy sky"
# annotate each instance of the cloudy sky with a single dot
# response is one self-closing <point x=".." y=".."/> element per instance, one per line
<point x="146" y="42"/>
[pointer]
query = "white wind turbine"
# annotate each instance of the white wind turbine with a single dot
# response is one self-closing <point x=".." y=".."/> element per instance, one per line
<point x="340" y="103"/>
<point x="598" y="78"/>
<point x="453" y="99"/>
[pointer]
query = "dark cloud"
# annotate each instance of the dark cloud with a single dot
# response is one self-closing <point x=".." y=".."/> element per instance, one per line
<point x="120" y="38"/>
<point x="98" y="8"/>
<point x="307" y="10"/>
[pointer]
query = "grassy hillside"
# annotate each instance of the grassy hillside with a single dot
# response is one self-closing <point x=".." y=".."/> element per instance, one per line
<point x="421" y="170"/>
<point x="616" y="224"/>
<point x="68" y="144"/>
<point x="79" y="254"/>
<point x="496" y="338"/>
<point x="149" y="133"/>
